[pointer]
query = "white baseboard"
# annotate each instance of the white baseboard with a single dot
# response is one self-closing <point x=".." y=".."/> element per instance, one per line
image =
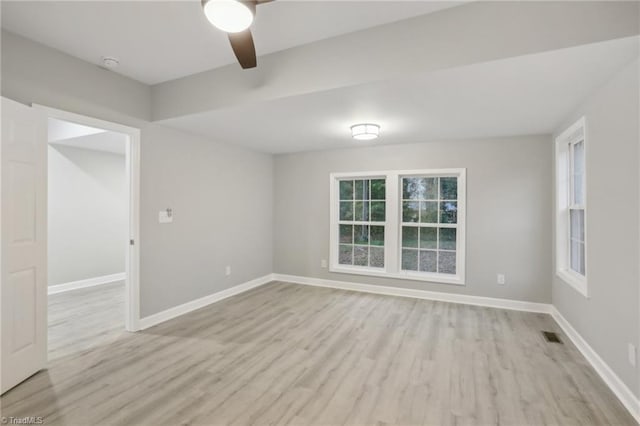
<point x="489" y="302"/>
<point x="176" y="311"/>
<point x="617" y="386"/>
<point x="89" y="282"/>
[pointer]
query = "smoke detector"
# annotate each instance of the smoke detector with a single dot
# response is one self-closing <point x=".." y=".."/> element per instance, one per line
<point x="110" y="62"/>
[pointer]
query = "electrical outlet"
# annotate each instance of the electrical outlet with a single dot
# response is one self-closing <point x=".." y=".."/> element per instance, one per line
<point x="502" y="279"/>
<point x="633" y="355"/>
<point x="323" y="263"/>
<point x="227" y="270"/>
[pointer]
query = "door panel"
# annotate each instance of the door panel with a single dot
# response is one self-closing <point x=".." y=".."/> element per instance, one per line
<point x="23" y="272"/>
<point x="22" y="207"/>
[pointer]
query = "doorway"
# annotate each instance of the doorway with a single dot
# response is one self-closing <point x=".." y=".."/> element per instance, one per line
<point x="93" y="235"/>
<point x="23" y="220"/>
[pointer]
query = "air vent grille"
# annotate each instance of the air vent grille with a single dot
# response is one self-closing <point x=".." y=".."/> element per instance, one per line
<point x="551" y="337"/>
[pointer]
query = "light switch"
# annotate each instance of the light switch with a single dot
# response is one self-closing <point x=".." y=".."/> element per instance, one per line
<point x="165" y="216"/>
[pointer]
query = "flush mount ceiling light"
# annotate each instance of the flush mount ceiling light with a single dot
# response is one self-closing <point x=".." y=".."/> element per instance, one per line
<point x="365" y="131"/>
<point x="231" y="16"/>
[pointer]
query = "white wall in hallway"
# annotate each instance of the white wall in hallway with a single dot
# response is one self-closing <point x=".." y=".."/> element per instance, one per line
<point x="87" y="215"/>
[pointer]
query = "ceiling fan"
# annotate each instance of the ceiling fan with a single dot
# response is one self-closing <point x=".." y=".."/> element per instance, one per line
<point x="235" y="17"/>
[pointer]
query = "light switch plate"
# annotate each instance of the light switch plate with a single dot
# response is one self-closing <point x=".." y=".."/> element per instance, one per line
<point x="165" y="217"/>
<point x="633" y="356"/>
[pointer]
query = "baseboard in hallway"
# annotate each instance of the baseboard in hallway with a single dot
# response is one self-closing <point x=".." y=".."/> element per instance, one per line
<point x="89" y="282"/>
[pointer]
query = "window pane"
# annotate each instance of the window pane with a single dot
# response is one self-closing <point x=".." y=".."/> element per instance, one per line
<point x="576" y="220"/>
<point x="577" y="257"/>
<point x="345" y="255"/>
<point x="346" y="234"/>
<point x="578" y="173"/>
<point x="362" y="189"/>
<point x="378" y="211"/>
<point x="447" y="239"/>
<point x="429" y="212"/>
<point x="448" y="212"/>
<point x="409" y="260"/>
<point x="414" y="188"/>
<point x="346" y="210"/>
<point x="346" y="190"/>
<point x="376" y="259"/>
<point x="410" y="211"/>
<point x="409" y="236"/>
<point x="361" y="211"/>
<point x="377" y="236"/>
<point x="361" y="234"/>
<point x="428" y="238"/>
<point x="448" y="188"/>
<point x="428" y="261"/>
<point x="431" y="189"/>
<point x="378" y="189"/>
<point x="446" y="262"/>
<point x="361" y="256"/>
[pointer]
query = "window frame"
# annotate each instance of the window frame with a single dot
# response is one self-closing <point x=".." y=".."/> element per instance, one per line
<point x="564" y="185"/>
<point x="393" y="225"/>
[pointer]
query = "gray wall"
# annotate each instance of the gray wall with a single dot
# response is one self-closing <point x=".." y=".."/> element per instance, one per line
<point x="610" y="318"/>
<point x="87" y="214"/>
<point x="222" y="202"/>
<point x="508" y="205"/>
<point x="194" y="176"/>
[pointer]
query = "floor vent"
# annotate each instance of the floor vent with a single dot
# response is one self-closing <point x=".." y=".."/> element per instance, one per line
<point x="552" y="337"/>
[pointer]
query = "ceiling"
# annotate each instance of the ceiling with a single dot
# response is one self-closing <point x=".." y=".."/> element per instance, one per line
<point x="523" y="95"/>
<point x="65" y="133"/>
<point x="59" y="130"/>
<point x="157" y="41"/>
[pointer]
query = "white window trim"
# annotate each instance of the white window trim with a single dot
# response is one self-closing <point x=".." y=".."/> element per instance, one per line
<point x="393" y="224"/>
<point x="575" y="133"/>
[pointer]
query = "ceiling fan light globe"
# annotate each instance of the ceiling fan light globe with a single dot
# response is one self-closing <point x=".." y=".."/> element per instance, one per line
<point x="230" y="16"/>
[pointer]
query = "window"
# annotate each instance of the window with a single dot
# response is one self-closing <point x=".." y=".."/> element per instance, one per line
<point x="399" y="224"/>
<point x="361" y="222"/>
<point x="429" y="224"/>
<point x="571" y="219"/>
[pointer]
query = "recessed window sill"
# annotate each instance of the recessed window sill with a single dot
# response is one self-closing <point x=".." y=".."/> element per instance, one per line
<point x="579" y="283"/>
<point x="405" y="275"/>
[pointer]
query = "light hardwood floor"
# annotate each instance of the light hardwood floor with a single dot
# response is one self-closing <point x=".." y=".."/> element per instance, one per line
<point x="285" y="353"/>
<point x="84" y="318"/>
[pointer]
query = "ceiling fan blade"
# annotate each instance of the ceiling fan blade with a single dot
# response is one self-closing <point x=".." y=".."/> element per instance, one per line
<point x="244" y="49"/>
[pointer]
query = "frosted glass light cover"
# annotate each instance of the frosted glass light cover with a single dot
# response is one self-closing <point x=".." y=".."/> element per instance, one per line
<point x="365" y="131"/>
<point x="231" y="16"/>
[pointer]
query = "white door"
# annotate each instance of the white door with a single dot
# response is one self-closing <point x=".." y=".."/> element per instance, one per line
<point x="23" y="268"/>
